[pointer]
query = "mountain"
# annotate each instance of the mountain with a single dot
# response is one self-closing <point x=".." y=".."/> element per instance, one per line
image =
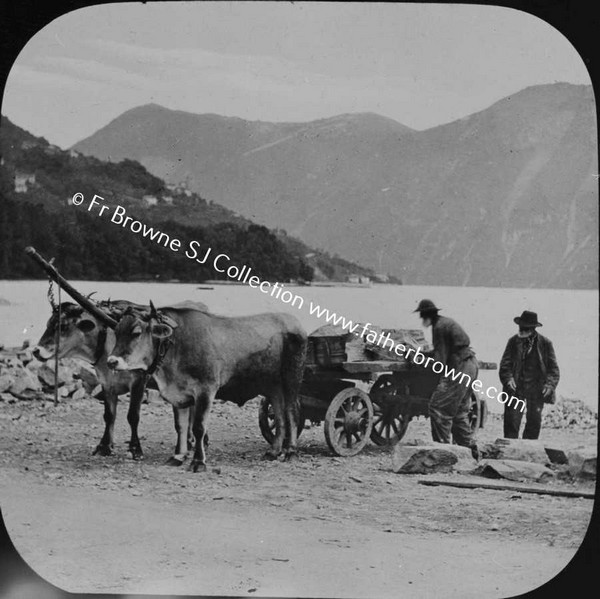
<point x="503" y="197"/>
<point x="38" y="179"/>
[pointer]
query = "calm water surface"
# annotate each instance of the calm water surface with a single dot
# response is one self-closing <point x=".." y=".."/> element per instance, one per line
<point x="570" y="318"/>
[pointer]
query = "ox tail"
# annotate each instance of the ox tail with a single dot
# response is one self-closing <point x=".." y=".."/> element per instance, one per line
<point x="292" y="369"/>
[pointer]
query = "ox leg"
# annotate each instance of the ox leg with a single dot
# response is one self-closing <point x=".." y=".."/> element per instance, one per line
<point x="293" y="372"/>
<point x="291" y="425"/>
<point x="203" y="405"/>
<point x="106" y="444"/>
<point x="136" y="394"/>
<point x="191" y="439"/>
<point x="183" y="420"/>
<point x="276" y="448"/>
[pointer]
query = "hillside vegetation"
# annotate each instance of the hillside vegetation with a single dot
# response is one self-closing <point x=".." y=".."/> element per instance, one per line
<point x="86" y="246"/>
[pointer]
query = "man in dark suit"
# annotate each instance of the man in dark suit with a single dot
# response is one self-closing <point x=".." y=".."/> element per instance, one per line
<point x="449" y="405"/>
<point x="528" y="371"/>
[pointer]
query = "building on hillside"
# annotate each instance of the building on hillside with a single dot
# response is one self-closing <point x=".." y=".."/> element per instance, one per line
<point x="150" y="200"/>
<point x="381" y="277"/>
<point x="23" y="181"/>
<point x="168" y="200"/>
<point x="353" y="279"/>
<point x="52" y="149"/>
<point x="74" y="154"/>
<point x="27" y="145"/>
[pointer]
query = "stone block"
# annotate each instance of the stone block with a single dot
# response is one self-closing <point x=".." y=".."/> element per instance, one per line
<point x="428" y="459"/>
<point x="24" y="380"/>
<point x="516" y="470"/>
<point x="525" y="450"/>
<point x="582" y="462"/>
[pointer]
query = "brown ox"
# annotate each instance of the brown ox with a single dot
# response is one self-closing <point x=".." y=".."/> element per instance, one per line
<point x="199" y="356"/>
<point x="84" y="336"/>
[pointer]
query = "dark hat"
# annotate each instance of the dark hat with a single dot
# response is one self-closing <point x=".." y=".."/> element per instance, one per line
<point x="528" y="320"/>
<point x="426" y="305"/>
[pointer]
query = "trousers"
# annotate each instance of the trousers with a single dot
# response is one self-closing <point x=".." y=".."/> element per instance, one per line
<point x="533" y="424"/>
<point x="449" y="406"/>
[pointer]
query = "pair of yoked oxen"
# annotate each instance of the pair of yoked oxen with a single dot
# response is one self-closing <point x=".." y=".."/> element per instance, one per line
<point x="192" y="356"/>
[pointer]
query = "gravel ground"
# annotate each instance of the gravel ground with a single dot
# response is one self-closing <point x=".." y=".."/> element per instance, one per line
<point x="354" y="507"/>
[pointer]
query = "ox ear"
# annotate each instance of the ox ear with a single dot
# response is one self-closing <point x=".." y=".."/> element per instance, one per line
<point x="86" y="325"/>
<point x="161" y="331"/>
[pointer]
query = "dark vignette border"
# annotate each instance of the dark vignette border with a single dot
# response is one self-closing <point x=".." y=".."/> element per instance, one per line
<point x="20" y="20"/>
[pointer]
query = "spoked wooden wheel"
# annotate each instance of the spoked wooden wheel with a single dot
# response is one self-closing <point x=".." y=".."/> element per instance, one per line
<point x="389" y="425"/>
<point x="266" y="420"/>
<point x="348" y="422"/>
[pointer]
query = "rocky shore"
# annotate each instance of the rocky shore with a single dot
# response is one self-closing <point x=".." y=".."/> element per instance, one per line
<point x="22" y="377"/>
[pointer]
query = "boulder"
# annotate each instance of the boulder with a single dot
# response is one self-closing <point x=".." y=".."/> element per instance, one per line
<point x="582" y="462"/>
<point x="515" y="449"/>
<point x="25" y="356"/>
<point x="79" y="394"/>
<point x="34" y="365"/>
<point x="88" y="377"/>
<point x="516" y="470"/>
<point x="46" y="374"/>
<point x="6" y="382"/>
<point x="556" y="455"/>
<point x="435" y="457"/>
<point x="24" y="380"/>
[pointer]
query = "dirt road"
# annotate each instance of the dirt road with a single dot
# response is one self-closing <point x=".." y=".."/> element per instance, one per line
<point x="321" y="527"/>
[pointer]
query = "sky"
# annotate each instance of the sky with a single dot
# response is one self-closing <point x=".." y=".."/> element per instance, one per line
<point x="420" y="64"/>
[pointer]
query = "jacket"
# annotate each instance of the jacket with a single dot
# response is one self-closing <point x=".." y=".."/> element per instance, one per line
<point x="510" y="365"/>
<point x="450" y="342"/>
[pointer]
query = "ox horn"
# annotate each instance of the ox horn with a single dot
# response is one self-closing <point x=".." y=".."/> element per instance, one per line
<point x="153" y="312"/>
<point x="84" y="302"/>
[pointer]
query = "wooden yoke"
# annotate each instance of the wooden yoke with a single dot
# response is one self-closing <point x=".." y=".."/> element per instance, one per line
<point x="83" y="301"/>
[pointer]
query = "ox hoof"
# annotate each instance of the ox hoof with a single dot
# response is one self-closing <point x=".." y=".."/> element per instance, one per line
<point x="174" y="461"/>
<point x="270" y="456"/>
<point x="136" y="454"/>
<point x="103" y="450"/>
<point x="196" y="466"/>
<point x="292" y="456"/>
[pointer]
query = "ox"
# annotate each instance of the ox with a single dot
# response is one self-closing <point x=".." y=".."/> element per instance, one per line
<point x="86" y="336"/>
<point x="199" y="356"/>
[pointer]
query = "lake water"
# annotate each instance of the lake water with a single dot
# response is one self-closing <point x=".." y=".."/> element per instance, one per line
<point x="570" y="318"/>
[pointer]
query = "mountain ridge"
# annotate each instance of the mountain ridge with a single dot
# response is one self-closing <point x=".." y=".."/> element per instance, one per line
<point x="504" y="196"/>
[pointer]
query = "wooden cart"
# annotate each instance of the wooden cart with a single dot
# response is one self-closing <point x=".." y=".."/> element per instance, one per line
<point x="392" y="394"/>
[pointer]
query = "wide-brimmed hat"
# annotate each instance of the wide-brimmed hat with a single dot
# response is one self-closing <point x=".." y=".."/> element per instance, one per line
<point x="528" y="319"/>
<point x="426" y="305"/>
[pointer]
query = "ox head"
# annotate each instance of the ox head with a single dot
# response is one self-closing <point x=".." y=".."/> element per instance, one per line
<point x="78" y="332"/>
<point x="139" y="333"/>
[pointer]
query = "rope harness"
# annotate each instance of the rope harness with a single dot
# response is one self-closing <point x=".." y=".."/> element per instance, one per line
<point x="163" y="346"/>
<point x="56" y="308"/>
<point x="159" y="356"/>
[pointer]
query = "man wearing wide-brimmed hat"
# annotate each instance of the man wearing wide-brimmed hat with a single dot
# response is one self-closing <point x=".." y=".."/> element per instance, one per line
<point x="450" y="402"/>
<point x="528" y="371"/>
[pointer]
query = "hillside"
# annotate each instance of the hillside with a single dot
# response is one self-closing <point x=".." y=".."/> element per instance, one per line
<point x="503" y="197"/>
<point x="34" y="172"/>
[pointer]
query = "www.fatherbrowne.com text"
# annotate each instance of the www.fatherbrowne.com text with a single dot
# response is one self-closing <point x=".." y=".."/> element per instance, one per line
<point x="222" y="263"/>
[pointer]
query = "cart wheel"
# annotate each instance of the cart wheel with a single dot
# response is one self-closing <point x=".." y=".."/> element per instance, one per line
<point x="389" y="425"/>
<point x="475" y="412"/>
<point x="266" y="420"/>
<point x="348" y="422"/>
